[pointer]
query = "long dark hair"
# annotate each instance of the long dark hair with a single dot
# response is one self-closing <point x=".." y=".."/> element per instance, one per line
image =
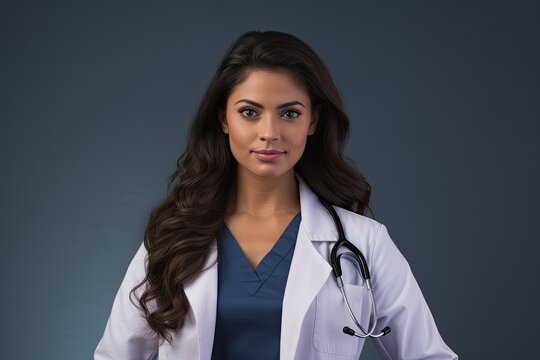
<point x="183" y="227"/>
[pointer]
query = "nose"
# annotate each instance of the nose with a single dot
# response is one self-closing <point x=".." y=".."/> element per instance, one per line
<point x="269" y="128"/>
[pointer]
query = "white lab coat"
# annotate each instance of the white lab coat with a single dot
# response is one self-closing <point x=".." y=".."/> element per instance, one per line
<point x="313" y="313"/>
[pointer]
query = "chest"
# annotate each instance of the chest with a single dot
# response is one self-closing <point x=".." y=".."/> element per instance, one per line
<point x="257" y="237"/>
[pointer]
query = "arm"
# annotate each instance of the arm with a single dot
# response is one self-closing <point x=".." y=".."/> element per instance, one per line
<point x="401" y="305"/>
<point x="127" y="334"/>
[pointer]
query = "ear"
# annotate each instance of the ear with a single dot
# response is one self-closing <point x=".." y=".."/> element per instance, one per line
<point x="314" y="120"/>
<point x="223" y="122"/>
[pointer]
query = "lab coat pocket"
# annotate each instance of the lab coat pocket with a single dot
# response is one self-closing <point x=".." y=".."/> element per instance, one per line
<point x="332" y="315"/>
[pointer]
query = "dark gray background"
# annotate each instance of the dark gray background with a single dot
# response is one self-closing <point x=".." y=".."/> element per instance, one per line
<point x="96" y="100"/>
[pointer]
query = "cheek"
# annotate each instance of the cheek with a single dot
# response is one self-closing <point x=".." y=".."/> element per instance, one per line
<point x="238" y="133"/>
<point x="298" y="143"/>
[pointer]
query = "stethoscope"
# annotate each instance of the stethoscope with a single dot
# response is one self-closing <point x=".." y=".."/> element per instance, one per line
<point x="355" y="257"/>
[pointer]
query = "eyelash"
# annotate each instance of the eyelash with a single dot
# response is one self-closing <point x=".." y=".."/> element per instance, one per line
<point x="298" y="113"/>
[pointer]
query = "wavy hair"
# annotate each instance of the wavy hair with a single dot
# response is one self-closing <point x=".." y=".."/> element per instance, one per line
<point x="182" y="228"/>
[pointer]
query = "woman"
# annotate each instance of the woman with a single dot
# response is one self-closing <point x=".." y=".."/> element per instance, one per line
<point x="236" y="260"/>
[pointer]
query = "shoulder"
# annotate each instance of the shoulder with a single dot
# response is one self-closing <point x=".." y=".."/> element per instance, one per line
<point x="136" y="268"/>
<point x="135" y="274"/>
<point x="358" y="224"/>
<point x="364" y="232"/>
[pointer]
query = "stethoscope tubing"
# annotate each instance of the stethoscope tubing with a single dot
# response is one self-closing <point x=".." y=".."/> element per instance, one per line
<point x="361" y="263"/>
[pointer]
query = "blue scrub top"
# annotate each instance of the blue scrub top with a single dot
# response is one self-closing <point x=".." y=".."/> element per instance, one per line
<point x="249" y="302"/>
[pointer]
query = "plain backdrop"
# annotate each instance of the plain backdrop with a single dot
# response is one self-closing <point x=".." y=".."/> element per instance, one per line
<point x="97" y="97"/>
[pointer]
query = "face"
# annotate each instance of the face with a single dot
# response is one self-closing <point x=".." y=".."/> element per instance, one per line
<point x="268" y="110"/>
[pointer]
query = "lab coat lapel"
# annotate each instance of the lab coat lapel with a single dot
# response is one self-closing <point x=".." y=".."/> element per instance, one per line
<point x="202" y="295"/>
<point x="308" y="272"/>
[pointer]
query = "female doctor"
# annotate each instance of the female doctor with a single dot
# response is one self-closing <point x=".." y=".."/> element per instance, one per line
<point x="237" y="263"/>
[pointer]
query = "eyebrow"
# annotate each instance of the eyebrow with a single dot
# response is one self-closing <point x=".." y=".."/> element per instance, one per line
<point x="262" y="107"/>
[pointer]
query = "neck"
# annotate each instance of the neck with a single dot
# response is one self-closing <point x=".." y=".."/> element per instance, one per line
<point x="264" y="196"/>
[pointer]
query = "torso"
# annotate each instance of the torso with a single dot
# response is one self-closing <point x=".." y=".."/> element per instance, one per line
<point x="256" y="236"/>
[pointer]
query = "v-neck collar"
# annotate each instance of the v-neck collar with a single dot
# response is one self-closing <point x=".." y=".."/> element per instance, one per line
<point x="254" y="279"/>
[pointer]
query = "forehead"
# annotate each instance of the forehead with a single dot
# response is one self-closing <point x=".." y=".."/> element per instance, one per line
<point x="269" y="87"/>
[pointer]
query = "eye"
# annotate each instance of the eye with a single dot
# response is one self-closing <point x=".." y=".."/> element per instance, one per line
<point x="247" y="112"/>
<point x="293" y="112"/>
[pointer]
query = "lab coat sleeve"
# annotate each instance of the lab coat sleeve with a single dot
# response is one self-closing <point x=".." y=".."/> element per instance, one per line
<point x="401" y="305"/>
<point x="127" y="335"/>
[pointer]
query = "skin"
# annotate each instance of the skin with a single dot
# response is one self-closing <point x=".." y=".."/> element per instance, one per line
<point x="266" y="197"/>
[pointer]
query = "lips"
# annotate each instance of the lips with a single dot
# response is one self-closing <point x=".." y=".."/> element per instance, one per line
<point x="269" y="152"/>
<point x="269" y="157"/>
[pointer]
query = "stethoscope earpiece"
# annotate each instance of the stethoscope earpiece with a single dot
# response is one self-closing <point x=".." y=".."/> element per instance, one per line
<point x="347" y="330"/>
